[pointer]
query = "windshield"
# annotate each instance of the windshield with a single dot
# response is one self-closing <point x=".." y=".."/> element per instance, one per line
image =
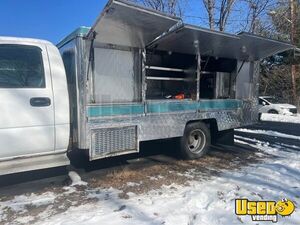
<point x="272" y="100"/>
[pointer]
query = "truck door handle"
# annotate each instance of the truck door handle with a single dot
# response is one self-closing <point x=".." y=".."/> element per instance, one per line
<point x="40" y="102"/>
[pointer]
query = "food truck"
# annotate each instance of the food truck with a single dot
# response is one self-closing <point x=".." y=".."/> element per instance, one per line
<point x="135" y="75"/>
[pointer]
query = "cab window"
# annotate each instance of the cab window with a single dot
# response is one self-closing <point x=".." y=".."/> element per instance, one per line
<point x="21" y="66"/>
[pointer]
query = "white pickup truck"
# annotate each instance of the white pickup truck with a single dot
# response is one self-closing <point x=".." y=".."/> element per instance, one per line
<point x="34" y="106"/>
<point x="103" y="92"/>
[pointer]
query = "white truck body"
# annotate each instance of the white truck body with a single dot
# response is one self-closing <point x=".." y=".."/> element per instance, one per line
<point x="34" y="108"/>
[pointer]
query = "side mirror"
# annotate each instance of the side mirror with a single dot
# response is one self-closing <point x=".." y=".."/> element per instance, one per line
<point x="264" y="103"/>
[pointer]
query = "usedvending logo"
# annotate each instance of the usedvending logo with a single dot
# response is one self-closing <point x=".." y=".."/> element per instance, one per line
<point x="264" y="210"/>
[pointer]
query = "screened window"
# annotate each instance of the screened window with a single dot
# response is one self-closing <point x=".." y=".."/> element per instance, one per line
<point x="21" y="66"/>
<point x="117" y="76"/>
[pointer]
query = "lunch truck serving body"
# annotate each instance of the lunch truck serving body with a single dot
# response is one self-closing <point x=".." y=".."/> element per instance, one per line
<point x="135" y="75"/>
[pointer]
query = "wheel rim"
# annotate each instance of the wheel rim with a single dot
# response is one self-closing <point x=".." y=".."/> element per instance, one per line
<point x="196" y="141"/>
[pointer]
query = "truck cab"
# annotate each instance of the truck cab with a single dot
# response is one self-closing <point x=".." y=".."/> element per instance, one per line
<point x="34" y="106"/>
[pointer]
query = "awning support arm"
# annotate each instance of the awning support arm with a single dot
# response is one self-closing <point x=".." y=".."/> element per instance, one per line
<point x="172" y="29"/>
<point x="239" y="70"/>
<point x="144" y="83"/>
<point x="196" y="45"/>
<point x="208" y="58"/>
<point x="91" y="65"/>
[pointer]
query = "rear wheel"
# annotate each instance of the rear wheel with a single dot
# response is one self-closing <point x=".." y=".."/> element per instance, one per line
<point x="195" y="141"/>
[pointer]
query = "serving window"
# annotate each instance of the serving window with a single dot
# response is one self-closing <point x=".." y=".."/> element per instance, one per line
<point x="174" y="76"/>
<point x="170" y="75"/>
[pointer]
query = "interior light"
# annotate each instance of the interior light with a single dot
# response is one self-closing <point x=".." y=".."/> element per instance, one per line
<point x="244" y="49"/>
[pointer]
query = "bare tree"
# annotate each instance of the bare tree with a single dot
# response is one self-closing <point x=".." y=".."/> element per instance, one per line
<point x="210" y="8"/>
<point x="257" y="9"/>
<point x="277" y="78"/>
<point x="155" y="4"/>
<point x="173" y="7"/>
<point x="218" y="12"/>
<point x="224" y="12"/>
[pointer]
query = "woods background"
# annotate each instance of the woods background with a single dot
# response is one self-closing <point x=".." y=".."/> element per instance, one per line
<point x="277" y="19"/>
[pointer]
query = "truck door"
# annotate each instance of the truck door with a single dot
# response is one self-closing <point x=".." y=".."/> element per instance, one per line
<point x="26" y="101"/>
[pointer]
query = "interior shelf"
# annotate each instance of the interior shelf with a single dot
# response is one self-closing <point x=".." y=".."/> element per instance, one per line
<point x="172" y="69"/>
<point x="164" y="68"/>
<point x="169" y="75"/>
<point x="169" y="78"/>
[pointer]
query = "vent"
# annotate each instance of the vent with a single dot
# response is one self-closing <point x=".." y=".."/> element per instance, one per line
<point x="113" y="141"/>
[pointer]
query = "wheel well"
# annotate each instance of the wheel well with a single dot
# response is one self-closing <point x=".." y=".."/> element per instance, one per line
<point x="210" y="123"/>
<point x="273" y="110"/>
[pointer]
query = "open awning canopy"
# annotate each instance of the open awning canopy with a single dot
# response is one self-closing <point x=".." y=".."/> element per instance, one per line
<point x="258" y="47"/>
<point x="209" y="42"/>
<point x="243" y="46"/>
<point x="125" y="24"/>
<point x="122" y="23"/>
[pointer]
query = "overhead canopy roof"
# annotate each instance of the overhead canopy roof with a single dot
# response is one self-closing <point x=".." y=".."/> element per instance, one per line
<point x="125" y="24"/>
<point x="258" y="47"/>
<point x="243" y="46"/>
<point x="210" y="42"/>
<point x="122" y="23"/>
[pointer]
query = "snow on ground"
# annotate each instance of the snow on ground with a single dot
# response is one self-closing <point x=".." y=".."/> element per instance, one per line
<point x="269" y="133"/>
<point x="204" y="201"/>
<point x="20" y="204"/>
<point x="280" y="118"/>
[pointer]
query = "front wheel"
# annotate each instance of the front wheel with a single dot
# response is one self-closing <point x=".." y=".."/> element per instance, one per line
<point x="195" y="141"/>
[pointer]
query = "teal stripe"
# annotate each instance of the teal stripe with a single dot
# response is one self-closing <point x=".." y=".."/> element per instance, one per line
<point x="219" y="104"/>
<point x="165" y="107"/>
<point x="162" y="107"/>
<point x="114" y="110"/>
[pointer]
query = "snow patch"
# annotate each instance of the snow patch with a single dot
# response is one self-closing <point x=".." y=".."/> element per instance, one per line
<point x="156" y="177"/>
<point x="76" y="179"/>
<point x="19" y="203"/>
<point x="269" y="133"/>
<point x="280" y="118"/>
<point x="132" y="184"/>
<point x="24" y="220"/>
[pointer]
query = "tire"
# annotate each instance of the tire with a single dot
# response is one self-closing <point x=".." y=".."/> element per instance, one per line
<point x="195" y="141"/>
<point x="259" y="116"/>
<point x="273" y="111"/>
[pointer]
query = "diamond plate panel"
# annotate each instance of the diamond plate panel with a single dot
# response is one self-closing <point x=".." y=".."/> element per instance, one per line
<point x="111" y="141"/>
<point x="168" y="125"/>
<point x="249" y="113"/>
